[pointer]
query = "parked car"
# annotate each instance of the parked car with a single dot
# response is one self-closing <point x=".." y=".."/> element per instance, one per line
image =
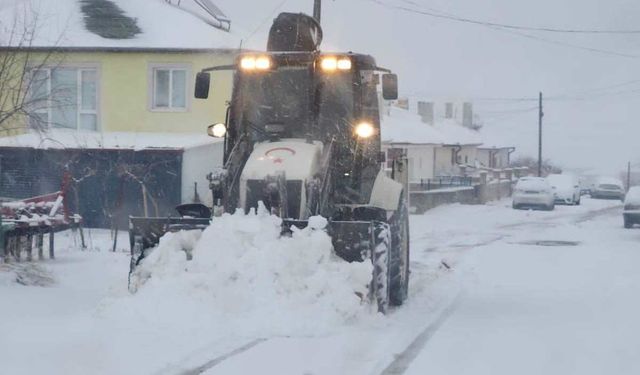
<point x="533" y="192"/>
<point x="608" y="188"/>
<point x="631" y="212"/>
<point x="566" y="188"/>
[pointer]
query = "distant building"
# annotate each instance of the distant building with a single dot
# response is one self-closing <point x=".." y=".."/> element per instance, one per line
<point x="439" y="139"/>
<point x="436" y="149"/>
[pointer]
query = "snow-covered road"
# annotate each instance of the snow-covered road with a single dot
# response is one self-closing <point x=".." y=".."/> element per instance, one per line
<point x="533" y="309"/>
<point x="487" y="297"/>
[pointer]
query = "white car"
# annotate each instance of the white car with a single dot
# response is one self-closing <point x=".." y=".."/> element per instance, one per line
<point x="533" y="192"/>
<point x="566" y="188"/>
<point x="608" y="188"/>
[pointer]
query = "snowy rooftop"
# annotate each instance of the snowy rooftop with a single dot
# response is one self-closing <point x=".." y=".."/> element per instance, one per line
<point x="61" y="139"/>
<point x="123" y="24"/>
<point x="403" y="126"/>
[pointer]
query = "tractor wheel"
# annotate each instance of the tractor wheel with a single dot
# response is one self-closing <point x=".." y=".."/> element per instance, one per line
<point x="399" y="262"/>
<point x="380" y="258"/>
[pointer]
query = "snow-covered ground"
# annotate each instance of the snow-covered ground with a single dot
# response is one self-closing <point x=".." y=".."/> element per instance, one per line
<point x="485" y="298"/>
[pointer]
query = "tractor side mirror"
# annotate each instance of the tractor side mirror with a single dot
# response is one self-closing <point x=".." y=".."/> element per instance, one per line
<point x="389" y="86"/>
<point x="203" y="80"/>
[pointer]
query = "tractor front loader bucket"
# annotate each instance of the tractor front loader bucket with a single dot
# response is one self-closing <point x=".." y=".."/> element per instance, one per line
<point x="353" y="241"/>
<point x="145" y="232"/>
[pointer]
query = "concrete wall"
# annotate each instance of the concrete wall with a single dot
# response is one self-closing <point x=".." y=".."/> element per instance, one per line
<point x="422" y="201"/>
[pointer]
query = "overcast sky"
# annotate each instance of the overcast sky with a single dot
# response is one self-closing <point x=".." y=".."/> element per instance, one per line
<point x="441" y="58"/>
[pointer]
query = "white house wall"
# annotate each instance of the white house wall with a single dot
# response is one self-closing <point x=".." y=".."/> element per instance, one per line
<point x="468" y="155"/>
<point x="197" y="162"/>
<point x="484" y="157"/>
<point x="501" y="157"/>
<point x="443" y="166"/>
<point x="421" y="162"/>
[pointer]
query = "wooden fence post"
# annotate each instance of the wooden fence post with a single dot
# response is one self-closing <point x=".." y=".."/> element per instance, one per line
<point x="51" y="244"/>
<point x="39" y="243"/>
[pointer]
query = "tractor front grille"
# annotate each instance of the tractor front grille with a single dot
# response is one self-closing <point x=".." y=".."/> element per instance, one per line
<point x="257" y="191"/>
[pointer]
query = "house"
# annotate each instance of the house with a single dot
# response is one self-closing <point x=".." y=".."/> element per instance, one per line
<point x="434" y="146"/>
<point x="118" y="65"/>
<point x="495" y="157"/>
<point x="403" y="133"/>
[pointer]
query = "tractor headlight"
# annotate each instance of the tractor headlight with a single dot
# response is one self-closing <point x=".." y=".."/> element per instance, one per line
<point x="333" y="63"/>
<point x="217" y="130"/>
<point x="250" y="63"/>
<point x="263" y="63"/>
<point x="364" y="130"/>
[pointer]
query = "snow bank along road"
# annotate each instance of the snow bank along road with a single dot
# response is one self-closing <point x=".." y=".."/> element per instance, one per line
<point x="488" y="296"/>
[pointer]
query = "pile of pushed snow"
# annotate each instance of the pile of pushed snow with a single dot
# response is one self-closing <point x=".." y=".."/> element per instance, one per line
<point x="243" y="276"/>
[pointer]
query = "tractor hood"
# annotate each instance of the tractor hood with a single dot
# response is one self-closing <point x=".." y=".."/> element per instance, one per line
<point x="296" y="158"/>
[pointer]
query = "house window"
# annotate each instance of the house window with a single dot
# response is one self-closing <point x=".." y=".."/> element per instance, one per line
<point x="64" y="97"/>
<point x="169" y="90"/>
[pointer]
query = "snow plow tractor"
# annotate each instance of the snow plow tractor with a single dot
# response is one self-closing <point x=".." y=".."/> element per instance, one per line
<point x="302" y="136"/>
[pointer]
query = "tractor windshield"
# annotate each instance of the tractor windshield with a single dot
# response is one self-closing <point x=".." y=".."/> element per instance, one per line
<point x="276" y="100"/>
<point x="289" y="102"/>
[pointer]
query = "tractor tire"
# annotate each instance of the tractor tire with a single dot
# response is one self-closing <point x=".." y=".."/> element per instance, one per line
<point x="379" y="290"/>
<point x="399" y="255"/>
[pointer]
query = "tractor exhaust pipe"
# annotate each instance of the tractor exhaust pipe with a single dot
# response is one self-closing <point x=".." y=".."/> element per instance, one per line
<point x="317" y="10"/>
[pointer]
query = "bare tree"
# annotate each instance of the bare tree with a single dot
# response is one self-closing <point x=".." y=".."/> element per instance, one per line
<point x="24" y="91"/>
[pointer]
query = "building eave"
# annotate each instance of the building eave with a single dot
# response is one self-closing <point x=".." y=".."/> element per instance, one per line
<point x="410" y="144"/>
<point x="122" y="50"/>
<point x="460" y="144"/>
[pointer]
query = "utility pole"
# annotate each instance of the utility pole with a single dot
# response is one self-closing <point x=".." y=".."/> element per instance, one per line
<point x="317" y="9"/>
<point x="628" y="175"/>
<point x="540" y="115"/>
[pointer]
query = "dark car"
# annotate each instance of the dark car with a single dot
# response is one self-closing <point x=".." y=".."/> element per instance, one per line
<point x="631" y="213"/>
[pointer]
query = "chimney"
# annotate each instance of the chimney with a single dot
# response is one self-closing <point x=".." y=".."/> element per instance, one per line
<point x="425" y="110"/>
<point x="448" y="110"/>
<point x="467" y="114"/>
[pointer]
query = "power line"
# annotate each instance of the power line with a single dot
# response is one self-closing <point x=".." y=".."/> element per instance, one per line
<point x="511" y="30"/>
<point x="266" y="19"/>
<point x="565" y="44"/>
<point x="451" y="17"/>
<point x="584" y="94"/>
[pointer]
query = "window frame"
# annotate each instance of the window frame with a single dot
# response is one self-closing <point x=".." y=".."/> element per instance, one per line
<point x="79" y="68"/>
<point x="151" y="85"/>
